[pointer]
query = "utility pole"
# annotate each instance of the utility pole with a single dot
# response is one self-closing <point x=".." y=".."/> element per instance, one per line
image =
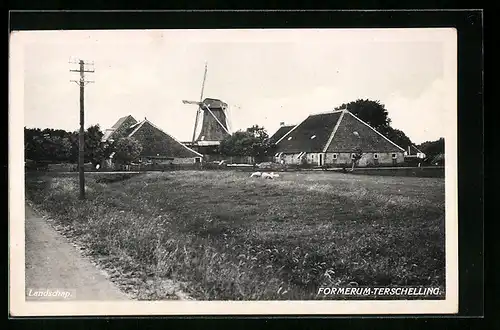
<point x="82" y="69"/>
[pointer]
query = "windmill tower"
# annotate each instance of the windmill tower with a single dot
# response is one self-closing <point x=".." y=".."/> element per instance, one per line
<point x="214" y="123"/>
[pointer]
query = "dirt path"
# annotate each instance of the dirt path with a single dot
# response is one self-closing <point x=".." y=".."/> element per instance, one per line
<point x="52" y="264"/>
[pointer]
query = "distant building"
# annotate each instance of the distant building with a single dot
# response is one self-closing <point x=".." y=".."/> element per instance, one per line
<point x="413" y="152"/>
<point x="331" y="139"/>
<point x="157" y="146"/>
<point x="413" y="156"/>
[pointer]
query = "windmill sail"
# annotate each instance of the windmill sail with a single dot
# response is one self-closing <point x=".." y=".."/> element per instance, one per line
<point x="199" y="110"/>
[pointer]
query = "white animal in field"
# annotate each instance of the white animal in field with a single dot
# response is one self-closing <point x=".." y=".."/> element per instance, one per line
<point x="264" y="175"/>
<point x="267" y="175"/>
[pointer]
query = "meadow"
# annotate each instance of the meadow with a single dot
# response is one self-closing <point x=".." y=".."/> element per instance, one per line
<point x="224" y="236"/>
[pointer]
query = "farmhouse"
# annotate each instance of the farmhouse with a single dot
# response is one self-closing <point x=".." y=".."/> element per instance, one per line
<point x="332" y="138"/>
<point x="157" y="146"/>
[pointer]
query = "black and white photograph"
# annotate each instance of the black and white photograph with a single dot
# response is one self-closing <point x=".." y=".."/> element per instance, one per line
<point x="266" y="171"/>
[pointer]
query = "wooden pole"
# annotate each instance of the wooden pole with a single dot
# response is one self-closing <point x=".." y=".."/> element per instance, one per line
<point x="81" y="152"/>
<point x="81" y="140"/>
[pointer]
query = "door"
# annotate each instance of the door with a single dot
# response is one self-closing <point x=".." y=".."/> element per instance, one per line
<point x="320" y="160"/>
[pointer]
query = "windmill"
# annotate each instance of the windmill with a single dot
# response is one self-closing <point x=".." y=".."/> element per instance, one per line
<point x="214" y="126"/>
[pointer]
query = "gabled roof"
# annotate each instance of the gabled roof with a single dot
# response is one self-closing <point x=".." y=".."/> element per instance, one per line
<point x="354" y="133"/>
<point x="170" y="145"/>
<point x="311" y="135"/>
<point x="120" y="122"/>
<point x="336" y="131"/>
<point x="153" y="139"/>
<point x="119" y="127"/>
<point x="280" y="132"/>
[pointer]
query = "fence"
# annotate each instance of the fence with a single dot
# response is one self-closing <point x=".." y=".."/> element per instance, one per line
<point x="420" y="172"/>
<point x="268" y="166"/>
<point x="58" y="167"/>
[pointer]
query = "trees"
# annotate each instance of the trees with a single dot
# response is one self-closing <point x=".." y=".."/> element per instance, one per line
<point x="260" y="142"/>
<point x="399" y="137"/>
<point x="95" y="150"/>
<point x="61" y="148"/>
<point x="376" y="115"/>
<point x="372" y="112"/>
<point x="47" y="145"/>
<point x="432" y="148"/>
<point x="57" y="145"/>
<point x="254" y="141"/>
<point x="127" y="150"/>
<point x="33" y="148"/>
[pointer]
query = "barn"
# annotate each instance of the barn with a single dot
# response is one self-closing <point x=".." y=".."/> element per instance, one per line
<point x="332" y="139"/>
<point x="158" y="147"/>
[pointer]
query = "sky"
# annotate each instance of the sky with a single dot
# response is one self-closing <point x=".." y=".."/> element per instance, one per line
<point x="266" y="76"/>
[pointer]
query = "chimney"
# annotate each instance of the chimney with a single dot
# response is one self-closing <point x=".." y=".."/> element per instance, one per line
<point x="409" y="150"/>
<point x="282" y="123"/>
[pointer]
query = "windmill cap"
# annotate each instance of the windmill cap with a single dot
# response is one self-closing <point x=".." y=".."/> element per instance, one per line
<point x="215" y="103"/>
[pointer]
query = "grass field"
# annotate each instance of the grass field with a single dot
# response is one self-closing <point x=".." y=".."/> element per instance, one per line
<point x="230" y="237"/>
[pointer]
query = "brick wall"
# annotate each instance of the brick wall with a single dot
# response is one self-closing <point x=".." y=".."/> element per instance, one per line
<point x="344" y="159"/>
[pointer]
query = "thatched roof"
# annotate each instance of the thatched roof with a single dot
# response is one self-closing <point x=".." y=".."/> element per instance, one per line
<point x="336" y="131"/>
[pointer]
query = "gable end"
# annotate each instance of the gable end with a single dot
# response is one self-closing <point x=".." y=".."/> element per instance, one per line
<point x="354" y="133"/>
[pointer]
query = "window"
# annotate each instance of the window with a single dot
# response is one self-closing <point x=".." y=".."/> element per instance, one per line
<point x="197" y="159"/>
<point x="313" y="156"/>
<point x="353" y="155"/>
<point x="375" y="156"/>
<point x="334" y="156"/>
<point x="202" y="138"/>
<point x="394" y="155"/>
